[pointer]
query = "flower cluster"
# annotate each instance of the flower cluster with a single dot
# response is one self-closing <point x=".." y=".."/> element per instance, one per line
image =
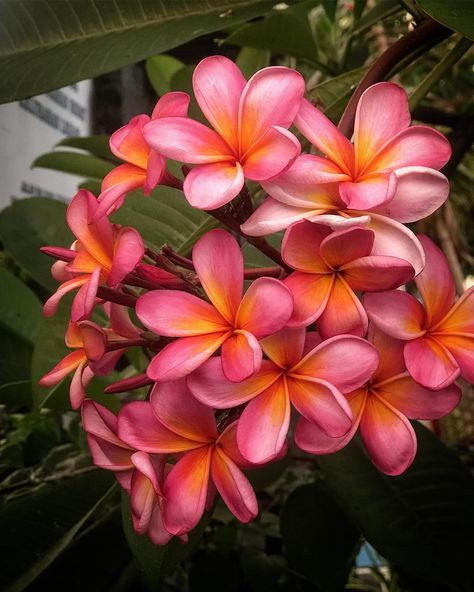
<point x="245" y="362"/>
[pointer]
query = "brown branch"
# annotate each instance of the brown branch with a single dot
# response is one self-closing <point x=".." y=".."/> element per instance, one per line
<point x="105" y="293"/>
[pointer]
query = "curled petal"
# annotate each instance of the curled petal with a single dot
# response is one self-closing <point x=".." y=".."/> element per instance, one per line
<point x="272" y="216"/>
<point x="271" y="154"/>
<point x="172" y="104"/>
<point x="99" y="421"/>
<point x="128" y="143"/>
<point x="79" y="383"/>
<point x="63" y="368"/>
<point x="377" y="273"/>
<point x="152" y="467"/>
<point x="94" y="340"/>
<point x="51" y="305"/>
<point x="116" y="184"/>
<point x="109" y="456"/>
<point x="241" y="356"/>
<point x="210" y="186"/>
<point x="128" y="252"/>
<point x="120" y="321"/>
<point x="397" y="313"/>
<point x="369" y="192"/>
<point x="85" y="299"/>
<point x="430" y="363"/>
<point x="345" y="245"/>
<point x="301" y="247"/>
<point x="310" y="295"/>
<point x="343" y="312"/>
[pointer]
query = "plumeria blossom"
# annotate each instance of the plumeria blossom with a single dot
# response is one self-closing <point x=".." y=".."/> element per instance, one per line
<point x="143" y="167"/>
<point x="381" y="410"/>
<point x="231" y="321"/>
<point x="331" y="267"/>
<point x="402" y="186"/>
<point x="174" y="422"/>
<point x="249" y="139"/>
<point x="313" y="381"/>
<point x="140" y="474"/>
<point x="439" y="335"/>
<point x="102" y="255"/>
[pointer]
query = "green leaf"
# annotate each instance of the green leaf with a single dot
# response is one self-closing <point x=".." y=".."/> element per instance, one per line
<point x="327" y="93"/>
<point x="15" y="362"/>
<point x="282" y="31"/>
<point x="330" y="7"/>
<point x="20" y="309"/>
<point x="422" y="520"/>
<point x="165" y="217"/>
<point x="380" y="11"/>
<point x="74" y="163"/>
<point x="28" y="224"/>
<point x="37" y="527"/>
<point x="91" y="37"/>
<point x="251" y="59"/>
<point x="96" y="145"/>
<point x="160" y="70"/>
<point x="156" y="562"/>
<point x="183" y="80"/>
<point x="455" y="14"/>
<point x="319" y="541"/>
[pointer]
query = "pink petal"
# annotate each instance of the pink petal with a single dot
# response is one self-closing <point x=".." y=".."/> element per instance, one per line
<point x="142" y="500"/>
<point x="186" y="140"/>
<point x="128" y="143"/>
<point x="271" y="97"/>
<point x="218" y="85"/>
<point x="310" y="295"/>
<point x="419" y="192"/>
<point x="369" y="191"/>
<point x="85" y="299"/>
<point x="273" y="216"/>
<point x="172" y="104"/>
<point x="417" y="402"/>
<point x="156" y="528"/>
<point x="263" y="425"/>
<point x="430" y="364"/>
<point x="180" y="412"/>
<point x="321" y="403"/>
<point x="181" y="357"/>
<point x="285" y="348"/>
<point x="347" y="362"/>
<point x="77" y="390"/>
<point x="109" y="456"/>
<point x="345" y="245"/>
<point x="390" y="351"/>
<point x="152" y="467"/>
<point x="99" y="421"/>
<point x="461" y="347"/>
<point x="265" y="308"/>
<point x="120" y="321"/>
<point x="377" y="273"/>
<point x="174" y="313"/>
<point x="375" y="124"/>
<point x="301" y="247"/>
<point x="233" y="486"/>
<point x="219" y="264"/>
<point x="94" y="340"/>
<point x="210" y="386"/>
<point x="51" y="305"/>
<point x="116" y="184"/>
<point x="129" y="251"/>
<point x="186" y="489"/>
<point x="323" y="134"/>
<point x="68" y="364"/>
<point x="311" y="438"/>
<point x="139" y="427"/>
<point x="155" y="172"/>
<point x="388" y="436"/>
<point x="460" y="319"/>
<point x="343" y="312"/>
<point x="241" y="356"/>
<point x="271" y="154"/>
<point x="397" y="313"/>
<point x="228" y="443"/>
<point x="210" y="186"/>
<point x="435" y="283"/>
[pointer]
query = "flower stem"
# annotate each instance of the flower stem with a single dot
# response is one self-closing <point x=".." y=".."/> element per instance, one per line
<point x="116" y="296"/>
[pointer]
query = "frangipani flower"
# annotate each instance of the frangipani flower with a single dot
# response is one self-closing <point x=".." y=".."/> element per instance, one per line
<point x="331" y="266"/>
<point x="381" y="410"/>
<point x="105" y="255"/>
<point x="140" y="474"/>
<point x="175" y="422"/>
<point x="234" y="322"/>
<point x="250" y="137"/>
<point x="313" y="381"/>
<point x="402" y="185"/>
<point x="440" y="335"/>
<point x="143" y="167"/>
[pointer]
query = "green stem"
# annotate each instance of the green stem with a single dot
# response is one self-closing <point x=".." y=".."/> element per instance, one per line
<point x="461" y="47"/>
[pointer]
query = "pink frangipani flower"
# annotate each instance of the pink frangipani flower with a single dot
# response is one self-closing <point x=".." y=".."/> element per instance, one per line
<point x="250" y="138"/>
<point x="143" y="167"/>
<point x="381" y="410"/>
<point x="439" y="336"/>
<point x="313" y="381"/>
<point x="331" y="267"/>
<point x="103" y="255"/>
<point x="232" y="321"/>
<point x="175" y="422"/>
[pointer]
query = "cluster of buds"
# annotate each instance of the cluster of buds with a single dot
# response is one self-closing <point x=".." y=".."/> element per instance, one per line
<point x="325" y="344"/>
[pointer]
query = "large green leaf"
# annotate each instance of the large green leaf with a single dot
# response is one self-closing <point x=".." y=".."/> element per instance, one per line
<point x="20" y="309"/>
<point x="36" y="527"/>
<point x="160" y="70"/>
<point x="422" y="520"/>
<point x="45" y="44"/>
<point x="15" y="362"/>
<point x="455" y="14"/>
<point x="319" y="541"/>
<point x="28" y="224"/>
<point x="156" y="562"/>
<point x="96" y="145"/>
<point x="74" y="163"/>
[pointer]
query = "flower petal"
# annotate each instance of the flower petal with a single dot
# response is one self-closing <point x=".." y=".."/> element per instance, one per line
<point x="172" y="104"/>
<point x="390" y="351"/>
<point x="377" y="273"/>
<point x="461" y="347"/>
<point x="310" y="295"/>
<point x="397" y="313"/>
<point x="63" y="368"/>
<point x="460" y="319"/>
<point x="345" y="361"/>
<point x="285" y="348"/>
<point x="152" y="467"/>
<point x="234" y="487"/>
<point x="109" y="456"/>
<point x="271" y="154"/>
<point x="80" y="381"/>
<point x="94" y="340"/>
<point x="301" y="247"/>
<point x="369" y="192"/>
<point x="156" y="528"/>
<point x="128" y="143"/>
<point x="85" y="299"/>
<point x="241" y="356"/>
<point x="263" y="425"/>
<point x="180" y="412"/>
<point x="265" y="308"/>
<point x="116" y="184"/>
<point x="128" y="252"/>
<point x="430" y="364"/>
<point x="388" y="436"/>
<point x="343" y="312"/>
<point x="345" y="245"/>
<point x="210" y="186"/>
<point x="272" y="216"/>
<point x="186" y="489"/>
